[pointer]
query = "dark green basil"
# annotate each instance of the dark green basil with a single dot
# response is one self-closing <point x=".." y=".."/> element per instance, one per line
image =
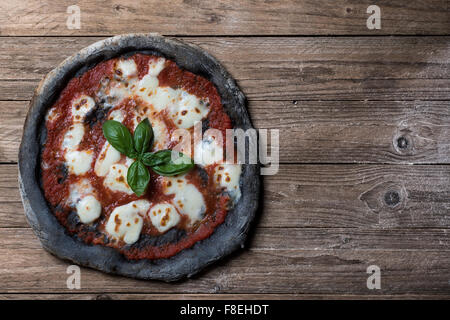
<point x="143" y="135"/>
<point x="135" y="147"/>
<point x="157" y="158"/>
<point x="138" y="177"/>
<point x="172" y="168"/>
<point x="119" y="137"/>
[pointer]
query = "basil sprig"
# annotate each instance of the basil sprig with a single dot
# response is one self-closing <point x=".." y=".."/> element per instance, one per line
<point x="163" y="162"/>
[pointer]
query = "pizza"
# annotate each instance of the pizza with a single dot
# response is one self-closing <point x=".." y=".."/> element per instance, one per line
<point x="85" y="177"/>
<point x="106" y="173"/>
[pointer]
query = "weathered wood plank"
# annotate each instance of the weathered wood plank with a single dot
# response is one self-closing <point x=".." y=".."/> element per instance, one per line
<point x="301" y="239"/>
<point x="320" y="132"/>
<point x="325" y="196"/>
<point x="27" y="268"/>
<point x="198" y="17"/>
<point x="163" y="296"/>
<point x="232" y="296"/>
<point x="343" y="68"/>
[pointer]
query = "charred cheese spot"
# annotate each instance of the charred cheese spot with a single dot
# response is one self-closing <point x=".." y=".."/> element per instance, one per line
<point x="187" y="109"/>
<point x="125" y="222"/>
<point x="164" y="216"/>
<point x="187" y="198"/>
<point x="116" y="179"/>
<point x="51" y="115"/>
<point x="81" y="106"/>
<point x="125" y="69"/>
<point x="227" y="176"/>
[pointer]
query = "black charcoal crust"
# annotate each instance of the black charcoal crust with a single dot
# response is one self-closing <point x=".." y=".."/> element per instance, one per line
<point x="227" y="237"/>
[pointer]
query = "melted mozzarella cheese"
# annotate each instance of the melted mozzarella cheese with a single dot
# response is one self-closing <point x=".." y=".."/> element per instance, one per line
<point x="156" y="97"/>
<point x="78" y="190"/>
<point x="125" y="222"/>
<point x="108" y="156"/>
<point x="116" y="115"/>
<point x="187" y="199"/>
<point x="88" y="209"/>
<point x="160" y="133"/>
<point x="81" y="106"/>
<point x="187" y="110"/>
<point x="116" y="179"/>
<point x="146" y="86"/>
<point x="51" y="115"/>
<point x="73" y="136"/>
<point x="156" y="66"/>
<point x="117" y="92"/>
<point x="164" y="216"/>
<point x="227" y="176"/>
<point x="125" y="69"/>
<point x="79" y="162"/>
<point x="208" y="151"/>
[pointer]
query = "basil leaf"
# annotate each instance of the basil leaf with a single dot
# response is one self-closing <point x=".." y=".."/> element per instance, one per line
<point x="143" y="135"/>
<point x="172" y="168"/>
<point x="157" y="158"/>
<point x="138" y="177"/>
<point x="118" y="136"/>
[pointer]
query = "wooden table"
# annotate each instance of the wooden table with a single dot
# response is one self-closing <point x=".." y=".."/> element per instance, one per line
<point x="364" y="120"/>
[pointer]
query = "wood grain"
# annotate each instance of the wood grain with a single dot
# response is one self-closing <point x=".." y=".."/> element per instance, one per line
<point x="217" y="296"/>
<point x="346" y="196"/>
<point x="262" y="269"/>
<point x="320" y="132"/>
<point x="323" y="196"/>
<point x="201" y="17"/>
<point x="325" y="68"/>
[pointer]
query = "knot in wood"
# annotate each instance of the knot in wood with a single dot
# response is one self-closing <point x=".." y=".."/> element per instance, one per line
<point x="392" y="198"/>
<point x="402" y="143"/>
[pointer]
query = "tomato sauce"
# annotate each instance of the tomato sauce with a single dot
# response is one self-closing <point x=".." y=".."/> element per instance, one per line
<point x="57" y="181"/>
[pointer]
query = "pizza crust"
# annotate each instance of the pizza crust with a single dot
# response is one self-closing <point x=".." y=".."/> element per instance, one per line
<point x="226" y="238"/>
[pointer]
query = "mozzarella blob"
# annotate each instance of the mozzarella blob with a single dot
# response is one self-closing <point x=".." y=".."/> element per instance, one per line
<point x="208" y="151"/>
<point x="125" y="69"/>
<point x="116" y="115"/>
<point x="51" y="115"/>
<point x="116" y="179"/>
<point x="187" y="199"/>
<point x="82" y="197"/>
<point x="73" y="136"/>
<point x="227" y="176"/>
<point x="81" y="106"/>
<point x="108" y="156"/>
<point x="156" y="66"/>
<point x="79" y="162"/>
<point x="88" y="209"/>
<point x="125" y="222"/>
<point x="187" y="110"/>
<point x="164" y="216"/>
<point x="78" y="190"/>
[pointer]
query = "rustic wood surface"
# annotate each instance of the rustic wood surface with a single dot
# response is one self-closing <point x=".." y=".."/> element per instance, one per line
<point x="341" y="96"/>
